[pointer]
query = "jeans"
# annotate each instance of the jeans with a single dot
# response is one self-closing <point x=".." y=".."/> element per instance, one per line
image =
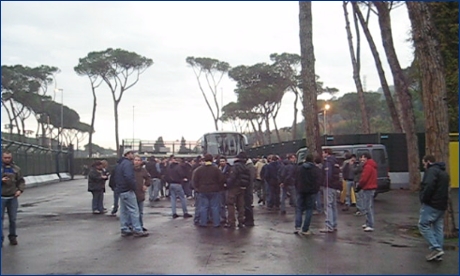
<point x="129" y="212"/>
<point x="431" y="226"/>
<point x="174" y="191"/>
<point x="319" y="201"/>
<point x="140" y="205"/>
<point x="305" y="203"/>
<point x="210" y="201"/>
<point x="274" y="188"/>
<point x="98" y="200"/>
<point x="11" y="205"/>
<point x="360" y="201"/>
<point x="283" y="192"/>
<point x="116" y="199"/>
<point x="259" y="188"/>
<point x="196" y="217"/>
<point x="223" y="206"/>
<point x="330" y="200"/>
<point x="187" y="189"/>
<point x="154" y="189"/>
<point x="368" y="203"/>
<point x="349" y="187"/>
<point x="268" y="197"/>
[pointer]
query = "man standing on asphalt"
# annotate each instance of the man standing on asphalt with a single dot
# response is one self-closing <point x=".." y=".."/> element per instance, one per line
<point x="434" y="198"/>
<point x="238" y="182"/>
<point x="368" y="183"/>
<point x="286" y="178"/>
<point x="331" y="184"/>
<point x="208" y="180"/>
<point x="308" y="179"/>
<point x="126" y="187"/>
<point x="13" y="186"/>
<point x="153" y="168"/>
<point x="176" y="175"/>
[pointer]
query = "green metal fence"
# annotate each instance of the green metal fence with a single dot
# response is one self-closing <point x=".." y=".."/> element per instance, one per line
<point x="37" y="160"/>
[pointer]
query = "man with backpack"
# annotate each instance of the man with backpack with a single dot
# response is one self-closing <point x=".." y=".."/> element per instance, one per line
<point x="308" y="178"/>
<point x="237" y="183"/>
<point x="332" y="184"/>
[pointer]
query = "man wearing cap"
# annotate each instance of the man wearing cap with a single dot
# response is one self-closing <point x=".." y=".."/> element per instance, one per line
<point x="126" y="186"/>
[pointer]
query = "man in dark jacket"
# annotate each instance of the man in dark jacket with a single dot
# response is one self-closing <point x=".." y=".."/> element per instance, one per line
<point x="208" y="180"/>
<point x="308" y="179"/>
<point x="434" y="198"/>
<point x="271" y="176"/>
<point x="225" y="168"/>
<point x="13" y="186"/>
<point x="153" y="168"/>
<point x="368" y="183"/>
<point x="237" y="183"/>
<point x="96" y="183"/>
<point x="286" y="178"/>
<point x="176" y="175"/>
<point x="332" y="184"/>
<point x="126" y="187"/>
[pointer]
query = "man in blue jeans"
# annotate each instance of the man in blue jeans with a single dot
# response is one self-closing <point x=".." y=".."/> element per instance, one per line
<point x="125" y="187"/>
<point x="176" y="175"/>
<point x="13" y="186"/>
<point x="434" y="198"/>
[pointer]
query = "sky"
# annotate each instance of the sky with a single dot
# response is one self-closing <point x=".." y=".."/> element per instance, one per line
<point x="167" y="101"/>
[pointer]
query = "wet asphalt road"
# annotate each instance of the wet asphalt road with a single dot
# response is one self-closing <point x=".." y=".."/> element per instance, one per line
<point x="59" y="235"/>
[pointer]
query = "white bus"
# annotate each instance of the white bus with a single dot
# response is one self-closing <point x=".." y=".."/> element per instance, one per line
<point x="223" y="143"/>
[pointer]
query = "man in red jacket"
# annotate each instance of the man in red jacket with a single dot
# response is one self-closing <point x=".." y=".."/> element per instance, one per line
<point x="368" y="183"/>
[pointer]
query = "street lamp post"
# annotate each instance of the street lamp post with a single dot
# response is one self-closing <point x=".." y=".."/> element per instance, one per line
<point x="326" y="108"/>
<point x="62" y="115"/>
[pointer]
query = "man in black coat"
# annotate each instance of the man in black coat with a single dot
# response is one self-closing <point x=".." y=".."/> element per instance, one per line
<point x="434" y="198"/>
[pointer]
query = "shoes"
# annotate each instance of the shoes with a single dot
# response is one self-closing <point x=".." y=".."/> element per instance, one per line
<point x="364" y="226"/>
<point x="326" y="230"/>
<point x="104" y="211"/>
<point x="283" y="212"/>
<point x="249" y="224"/>
<point x="358" y="214"/>
<point x="240" y="225"/>
<point x="113" y="215"/>
<point x="230" y="226"/>
<point x="368" y="229"/>
<point x="126" y="234"/>
<point x="438" y="259"/>
<point x="189" y="197"/>
<point x="96" y="212"/>
<point x="306" y="233"/>
<point x="260" y="201"/>
<point x="187" y="215"/>
<point x="297" y="230"/>
<point x="434" y="254"/>
<point x="13" y="241"/>
<point x="175" y="216"/>
<point x="144" y="229"/>
<point x="140" y="234"/>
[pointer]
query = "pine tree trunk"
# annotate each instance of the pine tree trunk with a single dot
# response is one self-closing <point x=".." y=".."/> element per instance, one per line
<point x="309" y="88"/>
<point x="378" y="63"/>
<point x="434" y="91"/>
<point x="362" y="104"/>
<point x="402" y="92"/>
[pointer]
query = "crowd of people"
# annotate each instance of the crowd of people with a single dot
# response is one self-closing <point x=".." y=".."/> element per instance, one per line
<point x="223" y="193"/>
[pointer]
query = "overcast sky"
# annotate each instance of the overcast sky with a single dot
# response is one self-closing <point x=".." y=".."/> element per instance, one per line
<point x="167" y="101"/>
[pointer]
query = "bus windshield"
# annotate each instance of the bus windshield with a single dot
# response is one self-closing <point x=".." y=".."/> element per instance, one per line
<point x="223" y="143"/>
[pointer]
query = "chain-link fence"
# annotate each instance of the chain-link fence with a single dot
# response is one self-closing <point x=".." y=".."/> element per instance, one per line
<point x="37" y="160"/>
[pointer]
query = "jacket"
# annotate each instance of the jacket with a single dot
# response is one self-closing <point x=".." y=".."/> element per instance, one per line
<point x="368" y="180"/>
<point x="435" y="186"/>
<point x="124" y="176"/>
<point x="208" y="179"/>
<point x="95" y="181"/>
<point x="330" y="179"/>
<point x="271" y="172"/>
<point x="175" y="174"/>
<point x="286" y="174"/>
<point x="143" y="178"/>
<point x="308" y="178"/>
<point x="259" y="165"/>
<point x="153" y="169"/>
<point x="239" y="173"/>
<point x="347" y="170"/>
<point x="16" y="181"/>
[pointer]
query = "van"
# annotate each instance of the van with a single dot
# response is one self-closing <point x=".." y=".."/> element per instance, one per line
<point x="377" y="151"/>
